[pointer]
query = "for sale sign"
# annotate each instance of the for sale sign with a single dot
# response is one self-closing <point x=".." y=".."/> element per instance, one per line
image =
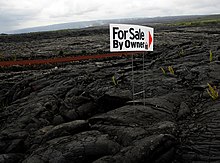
<point x="124" y="37"/>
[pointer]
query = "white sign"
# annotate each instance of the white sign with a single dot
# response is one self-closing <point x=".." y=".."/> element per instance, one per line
<point x="124" y="37"/>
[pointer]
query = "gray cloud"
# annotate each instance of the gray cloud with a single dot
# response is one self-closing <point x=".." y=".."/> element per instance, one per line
<point x="28" y="13"/>
<point x="10" y="20"/>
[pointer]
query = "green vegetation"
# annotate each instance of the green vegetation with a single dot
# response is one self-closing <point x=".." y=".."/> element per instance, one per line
<point x="203" y="20"/>
<point x="212" y="91"/>
<point x="115" y="82"/>
<point x="181" y="53"/>
<point x="164" y="72"/>
<point x="170" y="68"/>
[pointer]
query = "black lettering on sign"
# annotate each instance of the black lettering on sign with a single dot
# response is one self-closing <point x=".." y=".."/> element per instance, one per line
<point x="127" y="44"/>
<point x="114" y="31"/>
<point x="138" y="35"/>
<point x="120" y="45"/>
<point x="133" y="44"/>
<point x="120" y="34"/>
<point x="126" y="31"/>
<point x="128" y="38"/>
<point x="137" y="44"/>
<point x="131" y="33"/>
<point x="115" y="43"/>
<point x="142" y="36"/>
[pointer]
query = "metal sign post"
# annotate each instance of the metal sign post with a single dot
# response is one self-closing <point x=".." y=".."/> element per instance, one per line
<point x="132" y="77"/>
<point x="124" y="37"/>
<point x="143" y="82"/>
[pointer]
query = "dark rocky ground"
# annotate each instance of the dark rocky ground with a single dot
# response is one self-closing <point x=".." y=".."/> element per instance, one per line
<point x="76" y="114"/>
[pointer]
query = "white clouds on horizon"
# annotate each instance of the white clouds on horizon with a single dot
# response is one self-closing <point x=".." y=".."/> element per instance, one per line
<point x="29" y="13"/>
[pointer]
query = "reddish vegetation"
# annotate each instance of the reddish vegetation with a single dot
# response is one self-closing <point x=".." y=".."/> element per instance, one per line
<point x="66" y="59"/>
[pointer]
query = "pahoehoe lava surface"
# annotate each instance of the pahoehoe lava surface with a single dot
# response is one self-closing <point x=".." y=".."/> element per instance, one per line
<point x="75" y="113"/>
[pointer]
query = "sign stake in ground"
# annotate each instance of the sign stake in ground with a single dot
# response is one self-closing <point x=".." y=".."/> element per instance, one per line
<point x="125" y="37"/>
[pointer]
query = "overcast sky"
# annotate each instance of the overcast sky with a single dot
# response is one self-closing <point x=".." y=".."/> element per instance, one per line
<point x="17" y="14"/>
